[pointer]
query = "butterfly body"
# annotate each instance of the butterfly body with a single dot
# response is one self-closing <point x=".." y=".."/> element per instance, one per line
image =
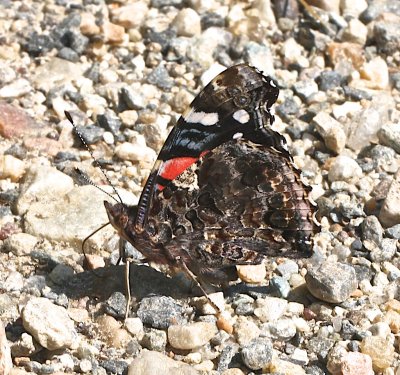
<point x="224" y="190"/>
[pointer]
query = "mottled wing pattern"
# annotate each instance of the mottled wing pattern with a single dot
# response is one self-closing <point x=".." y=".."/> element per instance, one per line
<point x="224" y="190"/>
<point x="235" y="102"/>
<point x="239" y="203"/>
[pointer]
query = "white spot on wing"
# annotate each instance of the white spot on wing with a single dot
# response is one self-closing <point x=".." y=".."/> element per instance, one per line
<point x="237" y="136"/>
<point x="241" y="116"/>
<point x="202" y="118"/>
<point x="272" y="83"/>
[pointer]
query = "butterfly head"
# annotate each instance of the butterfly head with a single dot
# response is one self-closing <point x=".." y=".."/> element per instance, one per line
<point x="120" y="216"/>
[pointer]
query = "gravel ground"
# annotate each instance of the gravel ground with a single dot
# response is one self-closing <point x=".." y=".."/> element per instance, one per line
<point x="126" y="70"/>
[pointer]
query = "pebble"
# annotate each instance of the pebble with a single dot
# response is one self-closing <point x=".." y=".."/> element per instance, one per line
<point x="282" y="329"/>
<point x="253" y="274"/>
<point x="389" y="135"/>
<point x="380" y="350"/>
<point x="151" y="363"/>
<point x="390" y="211"/>
<point x="135" y="327"/>
<point x="160" y="312"/>
<point x="15" y="89"/>
<point x="355" y="32"/>
<point x="192" y="335"/>
<point x="135" y="152"/>
<point x="6" y="363"/>
<point x="15" y="122"/>
<point x="155" y="339"/>
<point x="187" y="23"/>
<point x="20" y="243"/>
<point x="305" y="89"/>
<point x="58" y="219"/>
<point x="270" y="309"/>
<point x="332" y="282"/>
<point x="49" y="324"/>
<point x="354" y="363"/>
<point x="111" y="332"/>
<point x="257" y="354"/>
<point x="112" y="33"/>
<point x="245" y="330"/>
<point x="131" y="15"/>
<point x="344" y="168"/>
<point x="331" y="131"/>
<point x="279" y="366"/>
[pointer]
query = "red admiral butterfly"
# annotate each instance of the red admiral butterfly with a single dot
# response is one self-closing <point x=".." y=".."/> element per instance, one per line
<point x="224" y="190"/>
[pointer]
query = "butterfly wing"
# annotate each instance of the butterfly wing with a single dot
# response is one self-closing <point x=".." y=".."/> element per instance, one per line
<point x="240" y="202"/>
<point x="236" y="102"/>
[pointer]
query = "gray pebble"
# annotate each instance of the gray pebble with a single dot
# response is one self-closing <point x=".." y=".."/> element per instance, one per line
<point x="331" y="282"/>
<point x="160" y="312"/>
<point x="257" y="354"/>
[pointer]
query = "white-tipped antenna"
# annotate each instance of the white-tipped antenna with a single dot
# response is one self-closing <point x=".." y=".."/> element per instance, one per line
<point x="69" y="117"/>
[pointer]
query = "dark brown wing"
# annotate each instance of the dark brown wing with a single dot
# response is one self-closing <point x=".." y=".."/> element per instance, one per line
<point x="240" y="202"/>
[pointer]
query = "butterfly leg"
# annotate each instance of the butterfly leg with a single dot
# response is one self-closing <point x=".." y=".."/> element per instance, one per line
<point x="193" y="277"/>
<point x="122" y="256"/>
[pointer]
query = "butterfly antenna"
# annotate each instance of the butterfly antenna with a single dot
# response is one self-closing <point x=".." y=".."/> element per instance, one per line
<point x="69" y="117"/>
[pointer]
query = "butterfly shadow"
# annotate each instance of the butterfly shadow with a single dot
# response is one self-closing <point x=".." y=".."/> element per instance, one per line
<point x="144" y="281"/>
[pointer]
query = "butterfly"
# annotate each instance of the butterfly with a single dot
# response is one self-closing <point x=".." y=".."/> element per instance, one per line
<point x="224" y="190"/>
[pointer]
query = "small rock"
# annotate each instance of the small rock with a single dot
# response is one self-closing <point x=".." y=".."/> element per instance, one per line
<point x="88" y="24"/>
<point x="187" y="23"/>
<point x="161" y="78"/>
<point x="116" y="305"/>
<point x="282" y="329"/>
<point x="20" y="243"/>
<point x="305" y="89"/>
<point x="15" y="122"/>
<point x="135" y="327"/>
<point x="25" y="346"/>
<point x="112" y="33"/>
<point x="135" y="152"/>
<point x="133" y="98"/>
<point x="331" y="131"/>
<point x="111" y="331"/>
<point x="15" y="89"/>
<point x="254" y="274"/>
<point x="372" y="230"/>
<point x="245" y="330"/>
<point x="151" y="363"/>
<point x="380" y="350"/>
<point x="389" y="135"/>
<point x="11" y="167"/>
<point x="160" y="312"/>
<point x="6" y="364"/>
<point x="344" y="168"/>
<point x="14" y="282"/>
<point x="355" y="32"/>
<point x="390" y="211"/>
<point x="270" y="308"/>
<point x="49" y="324"/>
<point x="392" y="318"/>
<point x="353" y="8"/>
<point x="332" y="282"/>
<point x="131" y="15"/>
<point x="155" y="339"/>
<point x="192" y="335"/>
<point x="258" y="353"/>
<point x="61" y="273"/>
<point x="376" y="72"/>
<point x="45" y="181"/>
<point x="260" y="56"/>
<point x="329" y="80"/>
<point x="279" y="366"/>
<point x="354" y="363"/>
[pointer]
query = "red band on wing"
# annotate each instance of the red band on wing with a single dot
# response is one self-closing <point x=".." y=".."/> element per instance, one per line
<point x="172" y="168"/>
